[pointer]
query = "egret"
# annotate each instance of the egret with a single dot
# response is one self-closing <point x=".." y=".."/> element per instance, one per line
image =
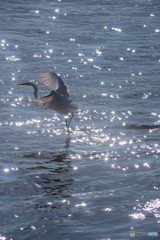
<point x="58" y="99"/>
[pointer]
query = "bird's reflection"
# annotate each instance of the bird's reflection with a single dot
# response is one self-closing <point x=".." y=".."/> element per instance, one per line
<point x="67" y="143"/>
<point x="50" y="172"/>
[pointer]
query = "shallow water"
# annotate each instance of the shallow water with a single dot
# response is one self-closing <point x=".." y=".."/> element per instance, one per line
<point x="101" y="181"/>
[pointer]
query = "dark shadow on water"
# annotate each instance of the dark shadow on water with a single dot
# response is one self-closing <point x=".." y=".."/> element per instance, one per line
<point x="143" y="126"/>
<point x="50" y="173"/>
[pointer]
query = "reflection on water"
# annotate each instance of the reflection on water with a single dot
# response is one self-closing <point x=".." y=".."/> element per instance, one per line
<point x="50" y="171"/>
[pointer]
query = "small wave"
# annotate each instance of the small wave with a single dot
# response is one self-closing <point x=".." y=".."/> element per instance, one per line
<point x="143" y="126"/>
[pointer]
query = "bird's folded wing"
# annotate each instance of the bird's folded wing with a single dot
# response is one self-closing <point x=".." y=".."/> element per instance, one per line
<point x="53" y="81"/>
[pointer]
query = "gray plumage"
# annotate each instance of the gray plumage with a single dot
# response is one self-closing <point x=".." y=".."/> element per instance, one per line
<point x="58" y="99"/>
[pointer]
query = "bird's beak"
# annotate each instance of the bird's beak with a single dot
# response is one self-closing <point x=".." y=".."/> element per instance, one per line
<point x="21" y="84"/>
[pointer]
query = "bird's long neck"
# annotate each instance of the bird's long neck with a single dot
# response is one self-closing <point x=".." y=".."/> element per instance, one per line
<point x="35" y="90"/>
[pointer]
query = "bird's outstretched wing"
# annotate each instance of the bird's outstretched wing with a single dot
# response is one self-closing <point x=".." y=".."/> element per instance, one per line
<point x="53" y="81"/>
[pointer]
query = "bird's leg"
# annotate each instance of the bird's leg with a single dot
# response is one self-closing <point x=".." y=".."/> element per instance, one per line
<point x="70" y="119"/>
<point x="67" y="123"/>
<point x="67" y="126"/>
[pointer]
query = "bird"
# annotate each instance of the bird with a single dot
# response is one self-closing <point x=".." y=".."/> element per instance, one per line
<point x="58" y="99"/>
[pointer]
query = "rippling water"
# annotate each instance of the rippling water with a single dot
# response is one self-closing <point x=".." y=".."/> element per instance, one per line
<point x="102" y="180"/>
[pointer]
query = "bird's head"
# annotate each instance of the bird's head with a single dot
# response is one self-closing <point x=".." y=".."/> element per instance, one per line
<point x="30" y="84"/>
<point x="27" y="83"/>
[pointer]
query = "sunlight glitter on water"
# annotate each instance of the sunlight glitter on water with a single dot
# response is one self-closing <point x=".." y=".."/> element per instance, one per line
<point x="137" y="216"/>
<point x="13" y="58"/>
<point x="2" y="237"/>
<point x="108" y="209"/>
<point x="81" y="205"/>
<point x="152" y="206"/>
<point x="117" y="29"/>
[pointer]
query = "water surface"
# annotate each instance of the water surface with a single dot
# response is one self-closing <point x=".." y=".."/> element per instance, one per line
<point x="102" y="180"/>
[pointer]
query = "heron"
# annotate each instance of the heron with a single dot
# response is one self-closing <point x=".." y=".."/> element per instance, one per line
<point x="58" y="99"/>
